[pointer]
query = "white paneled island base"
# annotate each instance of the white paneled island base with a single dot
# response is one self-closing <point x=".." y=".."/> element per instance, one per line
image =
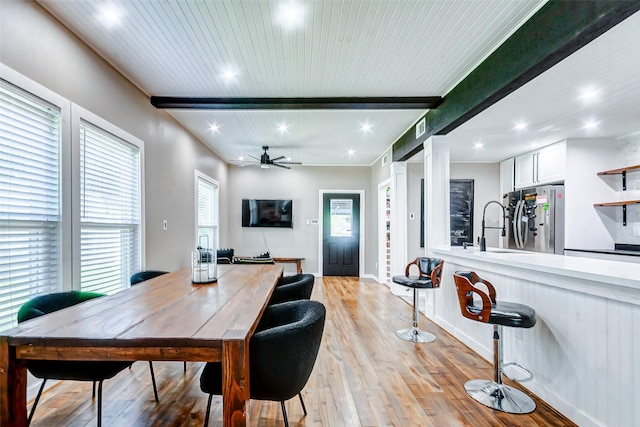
<point x="584" y="350"/>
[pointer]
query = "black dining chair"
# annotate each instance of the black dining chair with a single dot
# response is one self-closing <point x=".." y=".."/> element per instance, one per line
<point x="95" y="371"/>
<point x="292" y="288"/>
<point x="284" y="349"/>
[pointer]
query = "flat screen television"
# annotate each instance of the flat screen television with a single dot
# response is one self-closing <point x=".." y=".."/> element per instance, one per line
<point x="267" y="213"/>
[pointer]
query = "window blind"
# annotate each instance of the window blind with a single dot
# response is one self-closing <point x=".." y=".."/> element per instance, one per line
<point x="207" y="201"/>
<point x="30" y="237"/>
<point x="110" y="210"/>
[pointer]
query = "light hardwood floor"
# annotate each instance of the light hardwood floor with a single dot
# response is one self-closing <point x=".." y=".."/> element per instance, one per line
<point x="364" y="376"/>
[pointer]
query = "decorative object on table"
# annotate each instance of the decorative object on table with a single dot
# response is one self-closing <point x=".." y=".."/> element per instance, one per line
<point x="84" y="370"/>
<point x="429" y="274"/>
<point x="284" y="349"/>
<point x="495" y="394"/>
<point x="204" y="266"/>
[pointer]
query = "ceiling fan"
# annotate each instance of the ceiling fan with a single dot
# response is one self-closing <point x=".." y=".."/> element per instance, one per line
<point x="265" y="161"/>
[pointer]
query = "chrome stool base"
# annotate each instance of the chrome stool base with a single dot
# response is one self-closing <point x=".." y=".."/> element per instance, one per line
<point x="415" y="335"/>
<point x="500" y="397"/>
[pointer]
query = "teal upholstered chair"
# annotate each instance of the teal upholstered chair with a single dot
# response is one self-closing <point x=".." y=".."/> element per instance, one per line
<point x="66" y="369"/>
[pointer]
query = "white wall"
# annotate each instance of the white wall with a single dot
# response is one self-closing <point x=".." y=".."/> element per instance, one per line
<point x="302" y="185"/>
<point x="486" y="187"/>
<point x="589" y="227"/>
<point x="37" y="46"/>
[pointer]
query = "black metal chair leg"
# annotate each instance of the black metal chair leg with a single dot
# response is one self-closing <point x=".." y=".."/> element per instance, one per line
<point x="304" y="409"/>
<point x="284" y="414"/>
<point x="206" y="417"/>
<point x="185" y="366"/>
<point x="35" y="402"/>
<point x="93" y="393"/>
<point x="100" y="404"/>
<point x="153" y="381"/>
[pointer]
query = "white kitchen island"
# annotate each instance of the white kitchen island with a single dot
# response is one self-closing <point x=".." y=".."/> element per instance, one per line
<point x="584" y="350"/>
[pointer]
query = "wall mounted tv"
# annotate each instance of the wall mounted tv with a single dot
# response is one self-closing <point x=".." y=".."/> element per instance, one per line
<point x="267" y="213"/>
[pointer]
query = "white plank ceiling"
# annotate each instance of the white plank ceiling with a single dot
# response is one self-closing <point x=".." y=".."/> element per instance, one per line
<point x="340" y="48"/>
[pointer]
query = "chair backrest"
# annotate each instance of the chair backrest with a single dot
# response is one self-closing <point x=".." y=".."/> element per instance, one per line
<point x="45" y="304"/>
<point x="284" y="349"/>
<point x="465" y="286"/>
<point x="429" y="268"/>
<point x="287" y="290"/>
<point x="145" y="275"/>
<point x="284" y="280"/>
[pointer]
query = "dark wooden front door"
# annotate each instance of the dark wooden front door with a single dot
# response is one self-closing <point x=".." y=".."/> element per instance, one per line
<point x="341" y="234"/>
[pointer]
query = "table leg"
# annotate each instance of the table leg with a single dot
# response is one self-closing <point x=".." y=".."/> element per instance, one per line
<point x="235" y="380"/>
<point x="13" y="387"/>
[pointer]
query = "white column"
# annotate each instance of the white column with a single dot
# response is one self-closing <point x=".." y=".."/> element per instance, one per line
<point x="436" y="187"/>
<point x="398" y="222"/>
<point x="437" y="205"/>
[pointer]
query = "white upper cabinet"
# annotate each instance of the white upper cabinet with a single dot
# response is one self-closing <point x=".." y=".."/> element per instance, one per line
<point x="506" y="175"/>
<point x="544" y="166"/>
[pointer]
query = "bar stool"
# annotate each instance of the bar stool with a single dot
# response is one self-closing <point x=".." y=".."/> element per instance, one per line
<point x="429" y="272"/>
<point x="494" y="394"/>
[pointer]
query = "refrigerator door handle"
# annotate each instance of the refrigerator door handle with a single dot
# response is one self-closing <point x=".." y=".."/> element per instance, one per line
<point x="516" y="224"/>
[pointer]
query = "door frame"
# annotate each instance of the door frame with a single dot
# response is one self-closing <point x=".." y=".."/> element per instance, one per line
<point x="382" y="233"/>
<point x="321" y="194"/>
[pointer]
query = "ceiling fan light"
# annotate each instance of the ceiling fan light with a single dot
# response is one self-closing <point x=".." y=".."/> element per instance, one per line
<point x="264" y="166"/>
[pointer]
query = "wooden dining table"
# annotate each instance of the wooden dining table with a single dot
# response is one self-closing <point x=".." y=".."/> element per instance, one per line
<point x="165" y="318"/>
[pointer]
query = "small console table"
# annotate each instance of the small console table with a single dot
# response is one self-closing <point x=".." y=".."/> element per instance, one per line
<point x="297" y="261"/>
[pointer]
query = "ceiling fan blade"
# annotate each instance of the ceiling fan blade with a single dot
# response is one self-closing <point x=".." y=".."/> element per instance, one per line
<point x="290" y="163"/>
<point x="254" y="157"/>
<point x="278" y="158"/>
<point x="280" y="165"/>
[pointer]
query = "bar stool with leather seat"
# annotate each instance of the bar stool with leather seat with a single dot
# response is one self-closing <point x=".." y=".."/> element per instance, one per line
<point x="494" y="394"/>
<point x="429" y="272"/>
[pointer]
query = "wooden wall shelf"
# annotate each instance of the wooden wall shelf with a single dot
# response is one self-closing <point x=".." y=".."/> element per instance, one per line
<point x="622" y="203"/>
<point x="621" y="171"/>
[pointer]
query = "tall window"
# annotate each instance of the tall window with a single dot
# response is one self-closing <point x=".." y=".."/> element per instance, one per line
<point x="110" y="214"/>
<point x="207" y="211"/>
<point x="30" y="212"/>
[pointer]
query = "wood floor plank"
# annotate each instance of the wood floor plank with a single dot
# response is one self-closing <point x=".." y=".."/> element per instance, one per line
<point x="364" y="376"/>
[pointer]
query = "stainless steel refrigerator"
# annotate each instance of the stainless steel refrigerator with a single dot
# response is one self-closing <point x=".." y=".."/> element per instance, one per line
<point x="536" y="219"/>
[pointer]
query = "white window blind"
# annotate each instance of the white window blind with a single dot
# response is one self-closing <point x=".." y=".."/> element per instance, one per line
<point x="110" y="202"/>
<point x="207" y="221"/>
<point x="30" y="214"/>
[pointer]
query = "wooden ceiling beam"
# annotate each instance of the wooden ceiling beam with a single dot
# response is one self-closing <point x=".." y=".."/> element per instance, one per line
<point x="553" y="33"/>
<point x="337" y="103"/>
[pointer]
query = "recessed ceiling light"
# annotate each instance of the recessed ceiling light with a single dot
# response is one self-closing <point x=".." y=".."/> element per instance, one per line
<point x="290" y="15"/>
<point x="366" y="127"/>
<point x="590" y="124"/>
<point x="283" y="128"/>
<point x="589" y="95"/>
<point x="214" y="128"/>
<point x="478" y="145"/>
<point x="109" y="16"/>
<point x="228" y="75"/>
<point x="240" y="158"/>
<point x="520" y="126"/>
<point x="351" y="152"/>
